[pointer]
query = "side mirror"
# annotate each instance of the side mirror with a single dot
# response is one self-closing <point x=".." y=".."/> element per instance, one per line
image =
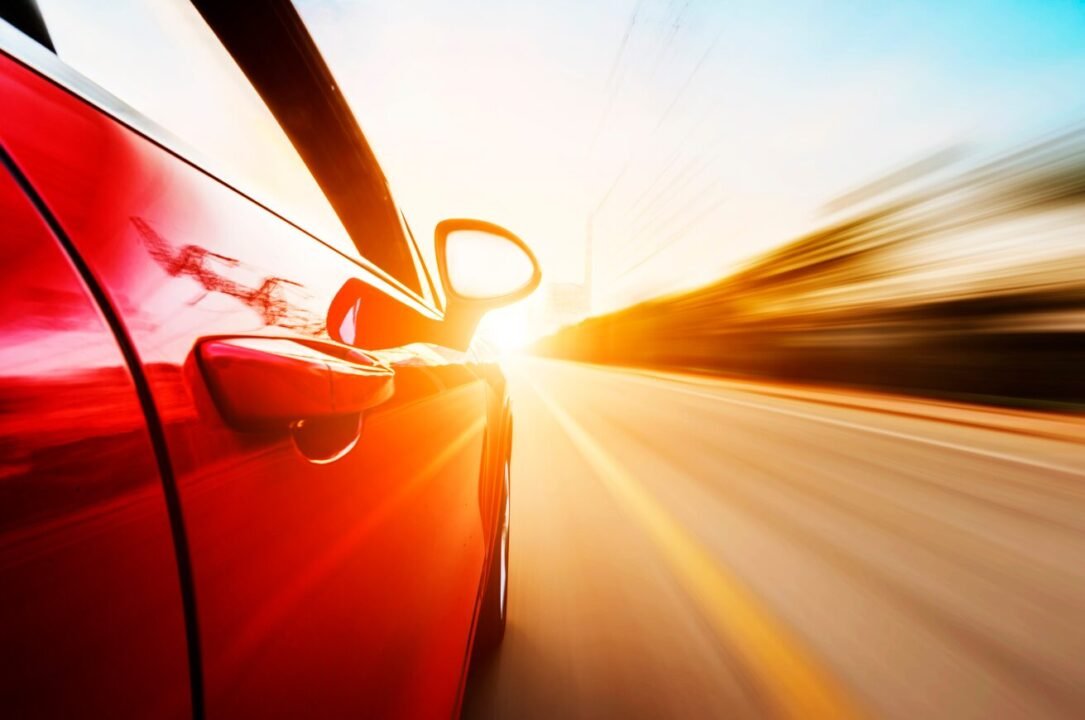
<point x="483" y="266"/>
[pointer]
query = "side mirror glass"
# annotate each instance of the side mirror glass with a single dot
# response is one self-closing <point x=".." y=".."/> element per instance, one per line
<point x="484" y="264"/>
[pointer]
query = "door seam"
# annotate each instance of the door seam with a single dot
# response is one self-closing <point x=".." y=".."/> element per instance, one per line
<point x="154" y="428"/>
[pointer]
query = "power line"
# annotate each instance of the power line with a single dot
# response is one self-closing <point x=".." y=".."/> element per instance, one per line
<point x="690" y="171"/>
<point x="666" y="113"/>
<point x="674" y="28"/>
<point x="611" y="86"/>
<point x="655" y="227"/>
<point x="689" y="78"/>
<point x="683" y="88"/>
<point x="677" y="235"/>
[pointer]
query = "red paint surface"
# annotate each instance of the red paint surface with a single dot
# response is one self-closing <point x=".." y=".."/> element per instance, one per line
<point x="91" y="622"/>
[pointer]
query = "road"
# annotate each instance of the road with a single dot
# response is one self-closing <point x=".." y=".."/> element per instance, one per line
<point x="687" y="548"/>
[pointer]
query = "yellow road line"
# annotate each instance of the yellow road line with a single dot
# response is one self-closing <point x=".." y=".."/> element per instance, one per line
<point x="795" y="683"/>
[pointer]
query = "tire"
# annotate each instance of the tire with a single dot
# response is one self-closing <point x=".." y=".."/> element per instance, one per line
<point x="492" y="617"/>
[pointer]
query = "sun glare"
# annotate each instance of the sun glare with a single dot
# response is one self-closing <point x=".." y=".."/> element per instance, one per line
<point x="506" y="329"/>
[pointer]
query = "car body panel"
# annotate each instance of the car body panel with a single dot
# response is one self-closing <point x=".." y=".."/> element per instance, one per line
<point x="91" y="614"/>
<point x="325" y="589"/>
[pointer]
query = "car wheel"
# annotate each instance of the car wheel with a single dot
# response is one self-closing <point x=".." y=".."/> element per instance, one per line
<point x="491" y="621"/>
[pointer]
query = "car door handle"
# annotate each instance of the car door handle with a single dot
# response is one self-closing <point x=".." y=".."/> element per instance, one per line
<point x="264" y="381"/>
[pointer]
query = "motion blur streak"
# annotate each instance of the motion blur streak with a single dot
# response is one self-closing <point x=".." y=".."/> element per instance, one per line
<point x="797" y="686"/>
<point x="900" y="436"/>
<point x="926" y="554"/>
<point x="952" y="276"/>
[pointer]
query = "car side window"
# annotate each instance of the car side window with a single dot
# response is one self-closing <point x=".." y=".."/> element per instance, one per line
<point x="161" y="58"/>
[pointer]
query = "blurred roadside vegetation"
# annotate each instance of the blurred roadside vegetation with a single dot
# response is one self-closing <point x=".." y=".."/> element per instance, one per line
<point x="946" y="278"/>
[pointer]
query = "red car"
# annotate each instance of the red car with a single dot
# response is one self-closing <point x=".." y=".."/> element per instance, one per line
<point x="249" y="466"/>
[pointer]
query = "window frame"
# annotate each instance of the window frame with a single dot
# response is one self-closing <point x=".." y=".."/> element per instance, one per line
<point x="429" y="288"/>
<point x="29" y="52"/>
<point x="272" y="46"/>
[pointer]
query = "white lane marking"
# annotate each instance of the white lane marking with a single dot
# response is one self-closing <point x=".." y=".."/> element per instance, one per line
<point x="669" y="384"/>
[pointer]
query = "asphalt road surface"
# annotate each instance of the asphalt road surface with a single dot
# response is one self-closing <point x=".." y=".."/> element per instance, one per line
<point x="687" y="548"/>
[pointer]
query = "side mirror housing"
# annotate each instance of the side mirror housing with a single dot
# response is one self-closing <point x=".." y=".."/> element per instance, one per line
<point x="482" y="267"/>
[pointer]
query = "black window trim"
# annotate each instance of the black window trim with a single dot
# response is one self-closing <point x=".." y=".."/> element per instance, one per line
<point x="272" y="46"/>
<point x="26" y="16"/>
<point x="429" y="288"/>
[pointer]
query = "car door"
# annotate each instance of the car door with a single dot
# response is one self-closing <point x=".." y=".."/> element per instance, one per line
<point x="336" y="554"/>
<point x="91" y="611"/>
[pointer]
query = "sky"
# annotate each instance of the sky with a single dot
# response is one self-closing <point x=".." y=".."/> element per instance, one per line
<point x="693" y="133"/>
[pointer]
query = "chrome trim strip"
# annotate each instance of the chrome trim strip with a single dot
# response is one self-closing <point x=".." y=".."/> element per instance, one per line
<point x="28" y="52"/>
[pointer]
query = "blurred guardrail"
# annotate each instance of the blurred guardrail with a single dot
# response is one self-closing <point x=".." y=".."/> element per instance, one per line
<point x="965" y="281"/>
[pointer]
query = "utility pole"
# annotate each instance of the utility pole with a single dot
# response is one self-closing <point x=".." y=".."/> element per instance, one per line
<point x="589" y="250"/>
<point x="589" y="260"/>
